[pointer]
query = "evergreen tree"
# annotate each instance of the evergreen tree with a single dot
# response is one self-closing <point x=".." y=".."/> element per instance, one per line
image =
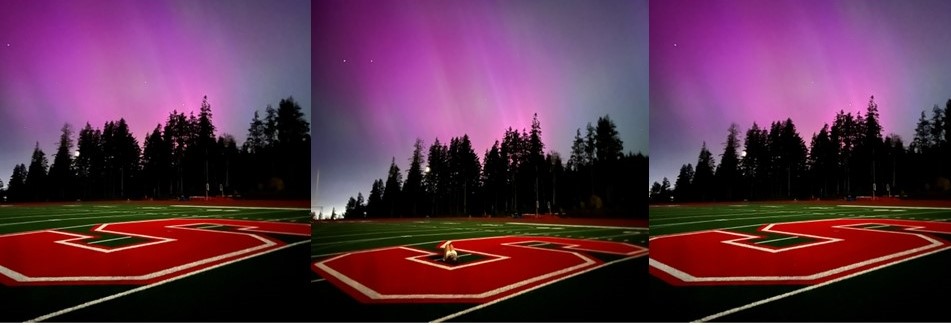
<point x="375" y="201"/>
<point x="413" y="191"/>
<point x="392" y="193"/>
<point x="683" y="190"/>
<point x="17" y="190"/>
<point x="727" y="173"/>
<point x="703" y="182"/>
<point x="36" y="176"/>
<point x="62" y="175"/>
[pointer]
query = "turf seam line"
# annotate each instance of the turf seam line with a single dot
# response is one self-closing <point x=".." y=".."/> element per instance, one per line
<point x="146" y="287"/>
<point x="809" y="288"/>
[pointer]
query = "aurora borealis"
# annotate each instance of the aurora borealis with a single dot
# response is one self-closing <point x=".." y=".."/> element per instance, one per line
<point x="388" y="72"/>
<point x="713" y="63"/>
<point x="78" y="61"/>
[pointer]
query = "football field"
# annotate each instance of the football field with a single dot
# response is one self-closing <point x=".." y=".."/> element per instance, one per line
<point x="146" y="262"/>
<point x="509" y="270"/>
<point x="800" y="262"/>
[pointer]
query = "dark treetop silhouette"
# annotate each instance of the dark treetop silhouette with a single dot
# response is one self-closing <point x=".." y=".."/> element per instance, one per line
<point x="515" y="176"/>
<point x="182" y="159"/>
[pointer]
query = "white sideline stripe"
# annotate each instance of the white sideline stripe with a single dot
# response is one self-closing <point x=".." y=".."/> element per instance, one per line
<point x="59" y="214"/>
<point x="715" y="215"/>
<point x="413" y="244"/>
<point x="581" y="226"/>
<point x="134" y="290"/>
<point x="385" y="232"/>
<point x="152" y="215"/>
<point x="392" y="237"/>
<point x="108" y="240"/>
<point x="463" y="312"/>
<point x="775" y="240"/>
<point x="730" y="219"/>
<point x="809" y="288"/>
<point x="238" y="207"/>
<point x="892" y="207"/>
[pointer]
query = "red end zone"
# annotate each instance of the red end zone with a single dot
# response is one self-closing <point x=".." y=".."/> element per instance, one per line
<point x="164" y="249"/>
<point x="833" y="249"/>
<point x="510" y="265"/>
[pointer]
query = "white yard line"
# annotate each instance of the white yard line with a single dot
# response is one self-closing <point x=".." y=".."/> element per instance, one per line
<point x="729" y="219"/>
<point x="892" y="207"/>
<point x="581" y="226"/>
<point x="809" y="288"/>
<point x="108" y="240"/>
<point x="448" y="317"/>
<point x="775" y="240"/>
<point x="413" y="244"/>
<point x="621" y="235"/>
<point x="391" y="237"/>
<point x="237" y="207"/>
<point x="146" y="287"/>
<point x="56" y="215"/>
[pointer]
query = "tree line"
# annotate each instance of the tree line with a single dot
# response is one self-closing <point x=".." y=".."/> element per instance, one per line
<point x="514" y="176"/>
<point x="181" y="159"/>
<point x="845" y="159"/>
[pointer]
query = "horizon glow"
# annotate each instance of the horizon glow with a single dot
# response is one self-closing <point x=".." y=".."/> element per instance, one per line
<point x="743" y="61"/>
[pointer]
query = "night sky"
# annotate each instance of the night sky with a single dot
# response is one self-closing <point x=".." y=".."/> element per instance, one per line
<point x="77" y="61"/>
<point x="387" y="72"/>
<point x="718" y="62"/>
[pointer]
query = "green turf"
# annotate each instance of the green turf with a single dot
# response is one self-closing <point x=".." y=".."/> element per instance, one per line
<point x="613" y="293"/>
<point x="907" y="292"/>
<point x="263" y="288"/>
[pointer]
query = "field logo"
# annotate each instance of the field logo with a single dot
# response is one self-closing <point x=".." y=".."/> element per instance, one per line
<point x="503" y="266"/>
<point x="137" y="252"/>
<point x="799" y="253"/>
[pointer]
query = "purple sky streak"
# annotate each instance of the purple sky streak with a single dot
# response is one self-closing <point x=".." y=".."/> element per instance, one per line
<point x="718" y="62"/>
<point x="78" y="61"/>
<point x="387" y="72"/>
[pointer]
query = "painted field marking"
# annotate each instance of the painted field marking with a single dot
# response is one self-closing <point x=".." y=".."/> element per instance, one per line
<point x="109" y="240"/>
<point x="167" y="214"/>
<point x="146" y="287"/>
<point x="716" y="215"/>
<point x="317" y="280"/>
<point x="463" y="312"/>
<point x="57" y="215"/>
<point x="848" y="215"/>
<point x="384" y="232"/>
<point x="578" y="226"/>
<point x="385" y="238"/>
<point x="776" y="240"/>
<point x="809" y="288"/>
<point x="897" y="207"/>
<point x="239" y="207"/>
<point x="342" y="252"/>
<point x="731" y="219"/>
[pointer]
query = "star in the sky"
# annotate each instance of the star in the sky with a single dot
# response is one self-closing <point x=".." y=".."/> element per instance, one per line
<point x="344" y="60"/>
<point x="8" y="44"/>
<point x="675" y="44"/>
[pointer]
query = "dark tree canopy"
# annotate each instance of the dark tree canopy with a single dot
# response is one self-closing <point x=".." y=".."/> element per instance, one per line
<point x="516" y="176"/>
<point x="848" y="157"/>
<point x="184" y="158"/>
